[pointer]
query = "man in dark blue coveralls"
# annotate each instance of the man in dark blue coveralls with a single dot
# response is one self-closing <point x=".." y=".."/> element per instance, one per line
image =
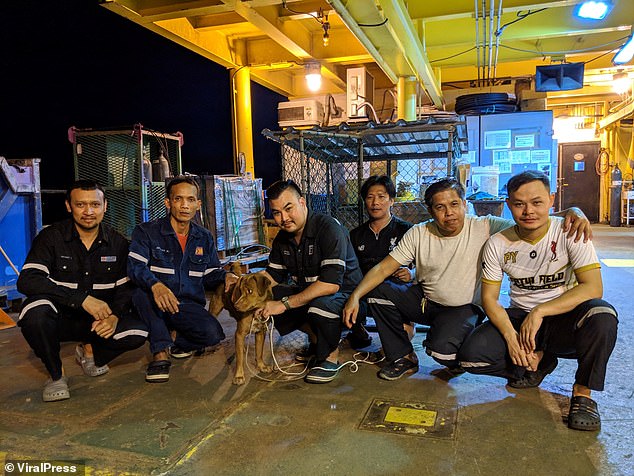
<point x="173" y="260"/>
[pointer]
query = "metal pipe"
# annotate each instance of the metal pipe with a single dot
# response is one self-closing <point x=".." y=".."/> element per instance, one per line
<point x="484" y="40"/>
<point x="6" y="256"/>
<point x="477" y="37"/>
<point x="491" y="15"/>
<point x="497" y="42"/>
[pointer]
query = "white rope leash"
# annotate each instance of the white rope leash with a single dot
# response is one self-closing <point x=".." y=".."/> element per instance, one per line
<point x="354" y="364"/>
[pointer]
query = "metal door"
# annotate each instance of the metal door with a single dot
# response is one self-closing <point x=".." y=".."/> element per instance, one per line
<point x="578" y="179"/>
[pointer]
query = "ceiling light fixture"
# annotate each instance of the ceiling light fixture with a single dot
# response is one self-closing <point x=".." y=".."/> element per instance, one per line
<point x="626" y="52"/>
<point x="621" y="82"/>
<point x="325" y="24"/>
<point x="591" y="10"/>
<point x="312" y="71"/>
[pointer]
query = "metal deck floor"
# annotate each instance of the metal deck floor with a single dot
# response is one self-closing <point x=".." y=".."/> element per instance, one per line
<point x="199" y="423"/>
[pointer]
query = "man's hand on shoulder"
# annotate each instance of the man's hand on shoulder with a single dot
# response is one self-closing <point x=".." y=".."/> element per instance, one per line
<point x="164" y="298"/>
<point x="97" y="308"/>
<point x="105" y="328"/>
<point x="577" y="225"/>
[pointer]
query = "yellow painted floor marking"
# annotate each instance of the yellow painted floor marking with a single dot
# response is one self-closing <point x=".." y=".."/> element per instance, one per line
<point x="410" y="416"/>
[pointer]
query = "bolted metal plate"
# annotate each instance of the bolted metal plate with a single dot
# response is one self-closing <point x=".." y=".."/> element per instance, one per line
<point x="410" y="418"/>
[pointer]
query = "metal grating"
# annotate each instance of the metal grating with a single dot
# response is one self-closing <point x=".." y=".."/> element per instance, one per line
<point x="115" y="159"/>
<point x="331" y="163"/>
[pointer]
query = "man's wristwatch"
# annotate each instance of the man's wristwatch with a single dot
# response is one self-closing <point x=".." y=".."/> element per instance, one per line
<point x="285" y="302"/>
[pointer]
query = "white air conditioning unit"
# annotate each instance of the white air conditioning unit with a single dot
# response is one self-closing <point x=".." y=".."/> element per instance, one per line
<point x="303" y="112"/>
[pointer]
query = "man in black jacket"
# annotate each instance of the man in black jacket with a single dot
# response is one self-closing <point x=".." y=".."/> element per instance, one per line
<point x="77" y="289"/>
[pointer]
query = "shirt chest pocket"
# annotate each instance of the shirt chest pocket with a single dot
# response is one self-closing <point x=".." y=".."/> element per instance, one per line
<point x="198" y="265"/>
<point x="66" y="266"/>
<point x="107" y="266"/>
<point x="162" y="257"/>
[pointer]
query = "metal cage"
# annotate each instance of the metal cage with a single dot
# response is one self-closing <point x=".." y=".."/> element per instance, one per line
<point x="122" y="162"/>
<point x="330" y="164"/>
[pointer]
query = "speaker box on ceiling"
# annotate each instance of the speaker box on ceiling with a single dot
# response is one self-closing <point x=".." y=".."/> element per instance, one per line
<point x="559" y="77"/>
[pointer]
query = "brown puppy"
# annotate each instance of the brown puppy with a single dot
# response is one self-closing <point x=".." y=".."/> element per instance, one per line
<point x="248" y="294"/>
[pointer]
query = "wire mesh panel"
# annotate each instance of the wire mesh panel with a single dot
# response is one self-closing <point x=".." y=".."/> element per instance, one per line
<point x="330" y="164"/>
<point x="131" y="165"/>
<point x="233" y="210"/>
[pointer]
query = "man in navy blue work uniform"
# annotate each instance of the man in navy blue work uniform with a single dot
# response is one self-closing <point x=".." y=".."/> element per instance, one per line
<point x="315" y="252"/>
<point x="173" y="260"/>
<point x="375" y="239"/>
<point x="77" y="290"/>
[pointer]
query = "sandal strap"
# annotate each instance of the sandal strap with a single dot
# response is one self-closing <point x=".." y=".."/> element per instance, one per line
<point x="580" y="404"/>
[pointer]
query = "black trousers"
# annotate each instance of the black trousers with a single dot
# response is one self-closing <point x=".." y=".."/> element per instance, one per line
<point x="391" y="304"/>
<point x="323" y="315"/>
<point x="587" y="333"/>
<point x="45" y="325"/>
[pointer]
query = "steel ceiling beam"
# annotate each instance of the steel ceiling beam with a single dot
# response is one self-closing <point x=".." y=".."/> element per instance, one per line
<point x="405" y="35"/>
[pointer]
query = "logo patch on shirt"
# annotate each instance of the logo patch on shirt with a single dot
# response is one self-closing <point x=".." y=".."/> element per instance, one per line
<point x="199" y="251"/>
<point x="361" y="247"/>
<point x="553" y="250"/>
<point x="533" y="254"/>
<point x="311" y="249"/>
<point x="393" y="242"/>
<point x="108" y="259"/>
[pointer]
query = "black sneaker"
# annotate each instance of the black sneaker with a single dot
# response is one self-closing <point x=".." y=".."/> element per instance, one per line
<point x="533" y="379"/>
<point x="359" y="337"/>
<point x="179" y="353"/>
<point x="323" y="372"/>
<point x="395" y="370"/>
<point x="307" y="354"/>
<point x="158" y="371"/>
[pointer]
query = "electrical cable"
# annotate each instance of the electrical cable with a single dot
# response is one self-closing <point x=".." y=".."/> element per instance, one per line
<point x="485" y="103"/>
<point x="372" y="25"/>
<point x="453" y="56"/>
<point x="603" y="157"/>
<point x="319" y="20"/>
<point x="520" y="16"/>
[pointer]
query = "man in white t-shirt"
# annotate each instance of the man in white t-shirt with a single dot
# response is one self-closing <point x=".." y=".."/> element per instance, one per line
<point x="556" y="307"/>
<point x="447" y="256"/>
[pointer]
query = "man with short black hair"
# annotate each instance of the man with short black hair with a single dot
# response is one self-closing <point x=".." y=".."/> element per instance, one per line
<point x="315" y="252"/>
<point x="375" y="239"/>
<point x="556" y="307"/>
<point x="77" y="289"/>
<point x="173" y="260"/>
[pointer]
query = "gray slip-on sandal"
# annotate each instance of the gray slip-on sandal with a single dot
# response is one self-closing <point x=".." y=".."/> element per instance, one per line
<point x="88" y="363"/>
<point x="56" y="390"/>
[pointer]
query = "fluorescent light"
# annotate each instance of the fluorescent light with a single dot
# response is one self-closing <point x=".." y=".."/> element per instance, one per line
<point x="313" y="76"/>
<point x="592" y="10"/>
<point x="626" y="53"/>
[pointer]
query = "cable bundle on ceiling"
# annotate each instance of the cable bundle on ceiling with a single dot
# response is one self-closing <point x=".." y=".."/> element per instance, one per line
<point x="486" y="103"/>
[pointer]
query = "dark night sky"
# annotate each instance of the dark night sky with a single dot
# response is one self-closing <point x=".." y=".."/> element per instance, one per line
<point x="74" y="63"/>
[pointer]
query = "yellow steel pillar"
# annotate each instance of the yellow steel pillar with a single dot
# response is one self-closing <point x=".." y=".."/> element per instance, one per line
<point x="406" y="95"/>
<point x="242" y="121"/>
